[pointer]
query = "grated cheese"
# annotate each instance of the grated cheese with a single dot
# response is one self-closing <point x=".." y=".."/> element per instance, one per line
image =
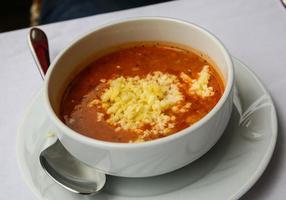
<point x="132" y="102"/>
<point x="199" y="86"/>
<point x="100" y="116"/>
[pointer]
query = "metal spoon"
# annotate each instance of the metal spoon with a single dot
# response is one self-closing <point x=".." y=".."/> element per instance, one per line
<point x="57" y="162"/>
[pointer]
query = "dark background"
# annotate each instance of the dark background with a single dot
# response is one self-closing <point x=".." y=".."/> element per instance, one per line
<point x="14" y="14"/>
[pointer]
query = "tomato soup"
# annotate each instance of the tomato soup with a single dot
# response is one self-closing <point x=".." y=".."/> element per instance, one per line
<point x="141" y="92"/>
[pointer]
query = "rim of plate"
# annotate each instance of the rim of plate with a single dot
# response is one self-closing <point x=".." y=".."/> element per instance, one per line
<point x="266" y="159"/>
<point x="19" y="143"/>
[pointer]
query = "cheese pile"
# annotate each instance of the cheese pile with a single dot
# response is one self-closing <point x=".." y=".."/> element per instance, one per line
<point x="132" y="102"/>
<point x="199" y="86"/>
<point x="140" y="103"/>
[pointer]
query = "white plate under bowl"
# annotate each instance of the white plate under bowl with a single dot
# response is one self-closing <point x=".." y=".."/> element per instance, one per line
<point x="227" y="171"/>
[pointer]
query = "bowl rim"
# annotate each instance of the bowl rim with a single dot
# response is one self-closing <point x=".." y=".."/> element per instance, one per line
<point x="106" y="144"/>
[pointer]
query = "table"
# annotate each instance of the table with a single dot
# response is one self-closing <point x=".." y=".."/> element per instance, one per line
<point x="253" y="31"/>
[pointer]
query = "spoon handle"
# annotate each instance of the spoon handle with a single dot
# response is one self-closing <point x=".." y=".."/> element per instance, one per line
<point x="39" y="47"/>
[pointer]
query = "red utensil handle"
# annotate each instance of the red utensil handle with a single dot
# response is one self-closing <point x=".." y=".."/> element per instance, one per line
<point x="40" y="49"/>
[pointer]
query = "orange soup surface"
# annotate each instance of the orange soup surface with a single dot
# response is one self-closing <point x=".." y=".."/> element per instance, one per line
<point x="141" y="92"/>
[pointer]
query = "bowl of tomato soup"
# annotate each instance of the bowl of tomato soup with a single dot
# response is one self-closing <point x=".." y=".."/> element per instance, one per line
<point x="141" y="97"/>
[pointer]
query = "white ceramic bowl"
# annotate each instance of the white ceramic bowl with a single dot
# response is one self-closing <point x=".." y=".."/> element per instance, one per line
<point x="153" y="157"/>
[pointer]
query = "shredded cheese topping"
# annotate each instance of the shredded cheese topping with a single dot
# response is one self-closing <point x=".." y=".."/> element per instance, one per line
<point x="134" y="103"/>
<point x="199" y="86"/>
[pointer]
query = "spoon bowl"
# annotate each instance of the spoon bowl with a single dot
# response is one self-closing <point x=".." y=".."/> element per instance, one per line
<point x="69" y="172"/>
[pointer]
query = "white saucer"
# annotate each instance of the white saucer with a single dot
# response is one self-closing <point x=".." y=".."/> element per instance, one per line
<point x="227" y="171"/>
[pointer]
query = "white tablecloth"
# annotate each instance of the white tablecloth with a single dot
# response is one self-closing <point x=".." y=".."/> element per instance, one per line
<point x="253" y="31"/>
